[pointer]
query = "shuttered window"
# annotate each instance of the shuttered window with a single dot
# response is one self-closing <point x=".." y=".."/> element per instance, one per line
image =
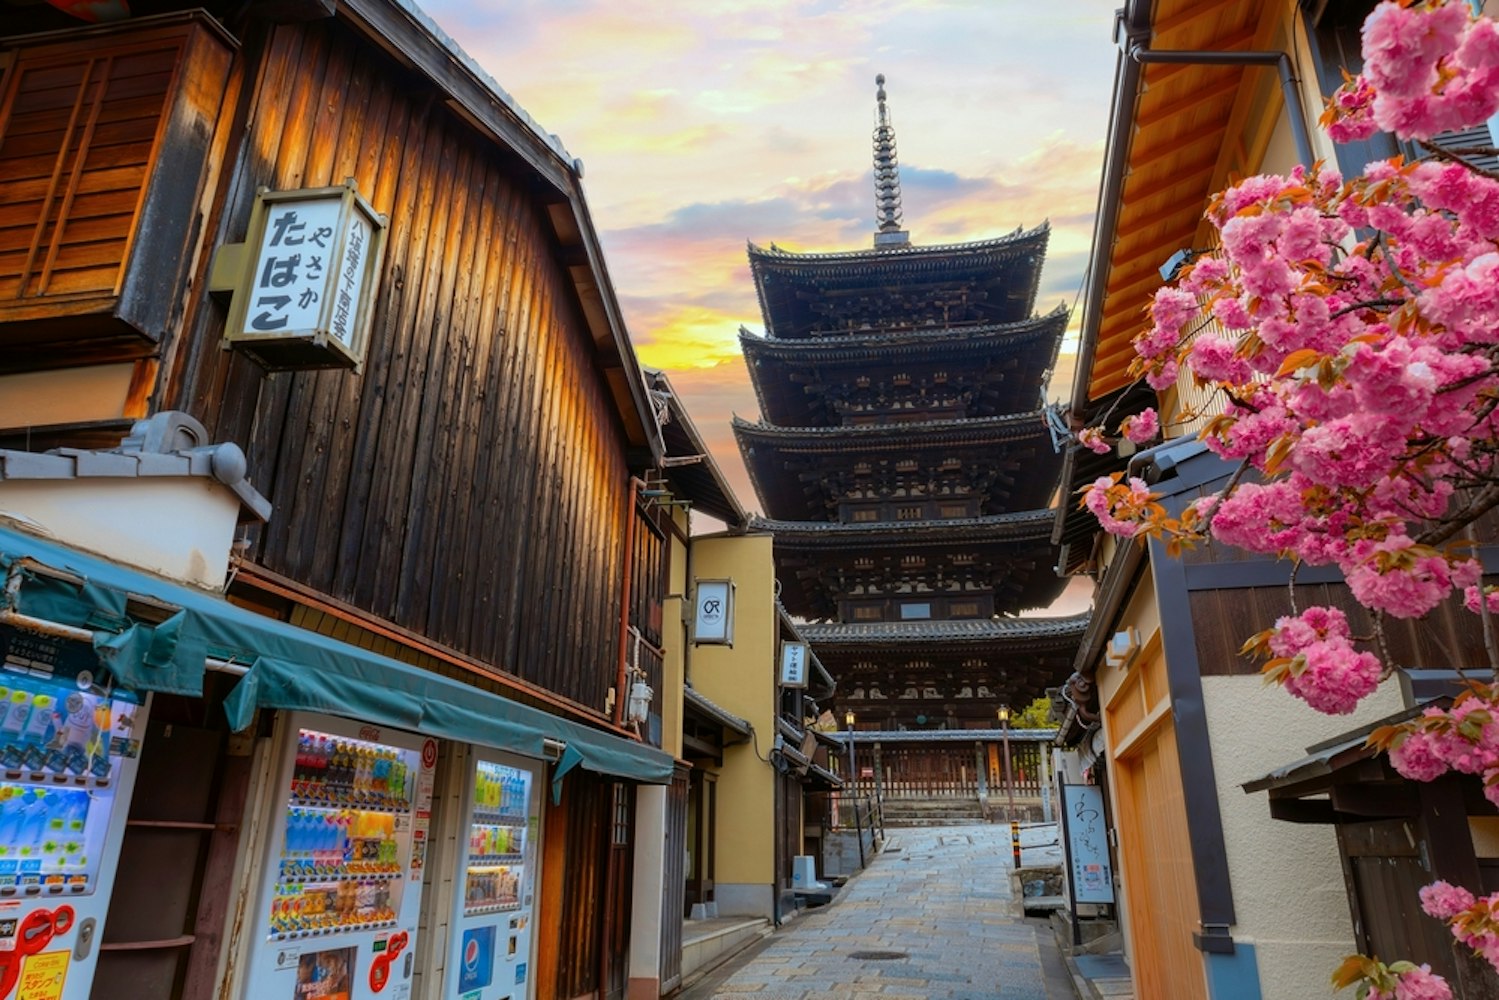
<point x="103" y="144"/>
<point x="76" y="142"/>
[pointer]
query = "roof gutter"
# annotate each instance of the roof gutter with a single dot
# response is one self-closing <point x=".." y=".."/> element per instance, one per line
<point x="1131" y="29"/>
<point x="1132" y="34"/>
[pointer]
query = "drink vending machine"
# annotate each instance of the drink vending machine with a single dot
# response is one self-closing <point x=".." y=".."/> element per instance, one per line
<point x="342" y="878"/>
<point x="69" y="749"/>
<point x="490" y="949"/>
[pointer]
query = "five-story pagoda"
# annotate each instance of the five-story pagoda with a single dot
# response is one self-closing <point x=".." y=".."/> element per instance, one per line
<point x="904" y="465"/>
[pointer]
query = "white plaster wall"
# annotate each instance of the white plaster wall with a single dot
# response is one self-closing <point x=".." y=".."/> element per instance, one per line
<point x="1289" y="894"/>
<point x="178" y="527"/>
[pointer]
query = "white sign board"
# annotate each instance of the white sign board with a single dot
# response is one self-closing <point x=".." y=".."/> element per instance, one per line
<point x="713" y="618"/>
<point x="794" y="657"/>
<point x="305" y="299"/>
<point x="1087" y="844"/>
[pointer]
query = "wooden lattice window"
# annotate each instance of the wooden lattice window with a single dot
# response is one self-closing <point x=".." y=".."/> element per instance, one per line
<point x="103" y="147"/>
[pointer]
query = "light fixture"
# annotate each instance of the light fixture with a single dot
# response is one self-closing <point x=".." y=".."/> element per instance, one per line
<point x="848" y="720"/>
<point x="1004" y="713"/>
<point x="1177" y="261"/>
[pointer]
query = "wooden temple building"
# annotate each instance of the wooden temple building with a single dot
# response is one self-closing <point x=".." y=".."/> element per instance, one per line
<point x="905" y="466"/>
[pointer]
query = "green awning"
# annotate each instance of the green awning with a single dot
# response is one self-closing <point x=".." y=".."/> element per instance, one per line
<point x="289" y="667"/>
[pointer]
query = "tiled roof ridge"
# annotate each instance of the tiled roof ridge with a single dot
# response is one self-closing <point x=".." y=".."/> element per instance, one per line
<point x="1035" y="324"/>
<point x="883" y="429"/>
<point x="965" y="628"/>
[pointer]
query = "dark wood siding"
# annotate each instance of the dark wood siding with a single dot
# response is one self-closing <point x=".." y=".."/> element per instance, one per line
<point x="470" y="484"/>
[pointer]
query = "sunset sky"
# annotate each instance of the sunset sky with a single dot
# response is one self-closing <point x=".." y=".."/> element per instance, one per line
<point x="703" y="125"/>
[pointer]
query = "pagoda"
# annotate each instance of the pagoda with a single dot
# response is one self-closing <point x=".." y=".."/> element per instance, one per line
<point x="904" y="463"/>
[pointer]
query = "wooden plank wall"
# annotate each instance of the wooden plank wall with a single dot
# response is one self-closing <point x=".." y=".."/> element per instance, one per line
<point x="470" y="483"/>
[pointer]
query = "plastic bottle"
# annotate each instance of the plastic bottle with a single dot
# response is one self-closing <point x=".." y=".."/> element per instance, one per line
<point x="11" y="809"/>
<point x="17" y="712"/>
<point x="33" y="822"/>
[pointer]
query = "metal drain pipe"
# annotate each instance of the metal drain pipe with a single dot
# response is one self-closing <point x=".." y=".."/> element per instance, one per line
<point x="1289" y="93"/>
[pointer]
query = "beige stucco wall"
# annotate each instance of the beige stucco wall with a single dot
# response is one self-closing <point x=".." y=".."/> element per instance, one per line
<point x="1289" y="894"/>
<point x="741" y="679"/>
<point x="674" y="640"/>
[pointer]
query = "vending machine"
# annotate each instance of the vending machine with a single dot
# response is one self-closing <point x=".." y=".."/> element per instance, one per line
<point x="69" y="749"/>
<point x="490" y="944"/>
<point x="342" y="877"/>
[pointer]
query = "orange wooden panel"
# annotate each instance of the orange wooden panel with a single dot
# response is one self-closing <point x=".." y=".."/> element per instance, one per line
<point x="1160" y="893"/>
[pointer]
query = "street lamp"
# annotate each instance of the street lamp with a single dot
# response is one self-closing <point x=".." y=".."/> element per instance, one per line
<point x="1004" y="725"/>
<point x="848" y="722"/>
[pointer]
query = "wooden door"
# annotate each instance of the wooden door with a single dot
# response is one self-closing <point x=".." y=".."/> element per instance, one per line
<point x="703" y="808"/>
<point x="1160" y="888"/>
<point x="619" y="865"/>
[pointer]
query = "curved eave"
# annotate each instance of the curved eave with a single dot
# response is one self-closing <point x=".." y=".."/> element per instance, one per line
<point x="1025" y="526"/>
<point x="905" y="437"/>
<point x="838" y="637"/>
<point x="1019" y="240"/>
<point x="1020" y="355"/>
<point x="901" y="266"/>
<point x="940" y="342"/>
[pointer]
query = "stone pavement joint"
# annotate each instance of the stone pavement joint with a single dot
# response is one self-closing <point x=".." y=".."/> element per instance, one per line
<point x="944" y="902"/>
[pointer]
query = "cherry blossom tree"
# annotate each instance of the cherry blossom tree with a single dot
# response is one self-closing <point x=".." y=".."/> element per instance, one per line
<point x="1351" y="327"/>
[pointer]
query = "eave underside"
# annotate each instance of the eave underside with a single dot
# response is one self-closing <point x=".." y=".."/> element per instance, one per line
<point x="1005" y="466"/>
<point x="954" y="683"/>
<point x="816" y="383"/>
<point x="816" y="573"/>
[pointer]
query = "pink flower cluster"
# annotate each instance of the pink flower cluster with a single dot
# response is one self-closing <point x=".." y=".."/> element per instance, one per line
<point x="1325" y="670"/>
<point x="1118" y="506"/>
<point x="1419" y="983"/>
<point x="1463" y="738"/>
<point x="1432" y="68"/>
<point x="1142" y="427"/>
<point x="1474" y="921"/>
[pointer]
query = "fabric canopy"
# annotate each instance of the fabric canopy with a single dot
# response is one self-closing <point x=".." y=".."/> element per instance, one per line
<point x="290" y="667"/>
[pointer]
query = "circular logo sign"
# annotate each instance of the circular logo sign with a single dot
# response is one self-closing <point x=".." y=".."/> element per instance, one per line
<point x="429" y="754"/>
<point x="471" y="954"/>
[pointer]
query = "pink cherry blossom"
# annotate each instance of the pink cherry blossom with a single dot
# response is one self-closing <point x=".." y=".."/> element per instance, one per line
<point x="1444" y="900"/>
<point x="1142" y="427"/>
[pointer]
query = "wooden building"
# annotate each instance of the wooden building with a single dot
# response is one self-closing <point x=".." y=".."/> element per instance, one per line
<point x="1217" y="899"/>
<point x="453" y="455"/>
<point x="905" y="465"/>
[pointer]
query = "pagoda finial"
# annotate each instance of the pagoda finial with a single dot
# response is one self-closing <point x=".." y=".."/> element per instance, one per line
<point x="886" y="175"/>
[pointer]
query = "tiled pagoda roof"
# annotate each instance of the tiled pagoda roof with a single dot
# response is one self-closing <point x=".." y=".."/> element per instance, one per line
<point x="1005" y="271"/>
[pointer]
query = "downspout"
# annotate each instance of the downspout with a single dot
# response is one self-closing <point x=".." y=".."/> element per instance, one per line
<point x="1280" y="60"/>
<point x="620" y="694"/>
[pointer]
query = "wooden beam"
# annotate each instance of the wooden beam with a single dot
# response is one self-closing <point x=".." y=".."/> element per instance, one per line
<point x="1191" y="12"/>
<point x="1197" y="172"/>
<point x="1195" y="97"/>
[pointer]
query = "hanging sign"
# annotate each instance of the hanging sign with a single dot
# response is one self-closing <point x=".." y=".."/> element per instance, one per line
<point x="1088" y="870"/>
<point x="713" y="617"/>
<point x="794" y="657"/>
<point x="310" y="270"/>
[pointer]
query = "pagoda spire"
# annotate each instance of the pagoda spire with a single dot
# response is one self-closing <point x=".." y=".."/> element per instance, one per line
<point x="886" y="175"/>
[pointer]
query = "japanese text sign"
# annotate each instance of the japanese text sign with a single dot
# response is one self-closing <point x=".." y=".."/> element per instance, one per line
<point x="314" y="256"/>
<point x="794" y="656"/>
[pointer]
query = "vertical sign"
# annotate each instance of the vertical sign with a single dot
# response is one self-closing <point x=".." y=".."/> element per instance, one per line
<point x="794" y="656"/>
<point x="1088" y="872"/>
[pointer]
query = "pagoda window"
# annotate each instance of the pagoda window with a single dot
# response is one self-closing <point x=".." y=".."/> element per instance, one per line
<point x="914" y="610"/>
<point x="963" y="609"/>
<point x="951" y="510"/>
<point x="865" y="514"/>
<point x="868" y="613"/>
<point x="909" y="513"/>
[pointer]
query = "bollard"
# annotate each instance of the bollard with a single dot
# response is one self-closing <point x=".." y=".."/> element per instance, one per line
<point x="1015" y="841"/>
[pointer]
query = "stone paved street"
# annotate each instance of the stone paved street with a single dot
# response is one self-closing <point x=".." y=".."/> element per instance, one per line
<point x="940" y="899"/>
